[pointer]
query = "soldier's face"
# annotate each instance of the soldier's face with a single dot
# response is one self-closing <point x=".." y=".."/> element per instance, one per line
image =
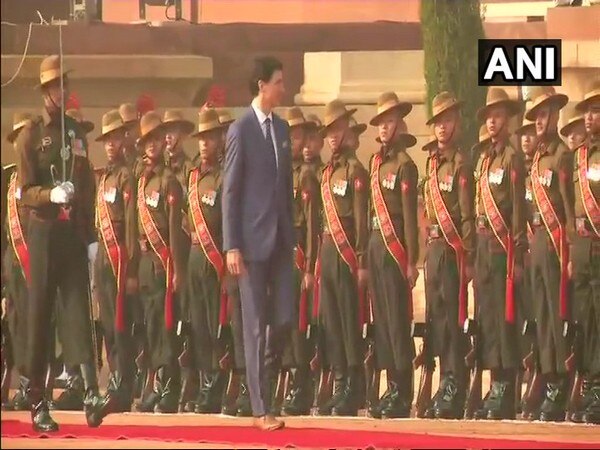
<point x="352" y="140"/>
<point x="528" y="142"/>
<point x="576" y="136"/>
<point x="592" y="118"/>
<point x="336" y="134"/>
<point x="496" y="121"/>
<point x="273" y="90"/>
<point x="172" y="138"/>
<point x="154" y="146"/>
<point x="112" y="146"/>
<point x="388" y="124"/>
<point x="445" y="126"/>
<point x="53" y="94"/>
<point x="208" y="145"/>
<point x="297" y="139"/>
<point x="546" y="120"/>
<point x="313" y="147"/>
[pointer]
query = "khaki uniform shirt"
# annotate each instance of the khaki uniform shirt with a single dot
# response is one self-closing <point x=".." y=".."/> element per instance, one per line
<point x="306" y="206"/>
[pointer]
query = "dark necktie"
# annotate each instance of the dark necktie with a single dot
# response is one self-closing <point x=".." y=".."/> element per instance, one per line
<point x="269" y="139"/>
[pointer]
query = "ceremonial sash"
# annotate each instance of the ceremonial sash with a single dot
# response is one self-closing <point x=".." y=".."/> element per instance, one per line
<point x="452" y="238"/>
<point x="386" y="226"/>
<point x="590" y="204"/>
<point x="117" y="254"/>
<point x="503" y="235"/>
<point x="160" y="248"/>
<point x="17" y="238"/>
<point x="556" y="231"/>
<point x="207" y="243"/>
<point x="340" y="238"/>
<point x="301" y="266"/>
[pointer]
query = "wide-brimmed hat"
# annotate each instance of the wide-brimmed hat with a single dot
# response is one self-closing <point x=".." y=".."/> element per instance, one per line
<point x="358" y="128"/>
<point x="208" y="120"/>
<point x="129" y="114"/>
<point x="403" y="137"/>
<point x="526" y="125"/>
<point x="431" y="143"/>
<point x="484" y="138"/>
<point x="444" y="101"/>
<point x="499" y="97"/>
<point x="150" y="124"/>
<point x="225" y="117"/>
<point x="546" y="96"/>
<point x="334" y="111"/>
<point x="389" y="101"/>
<point x="571" y="118"/>
<point x="20" y="119"/>
<point x="593" y="95"/>
<point x="111" y="122"/>
<point x="76" y="114"/>
<point x="295" y="118"/>
<point x="50" y="70"/>
<point x="174" y="118"/>
<point x="314" y="119"/>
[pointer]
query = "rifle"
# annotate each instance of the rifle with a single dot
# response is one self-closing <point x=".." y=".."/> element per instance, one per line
<point x="7" y="360"/>
<point x="573" y="364"/>
<point x="535" y="386"/>
<point x="231" y="393"/>
<point x="144" y="377"/>
<point x="426" y="360"/>
<point x="473" y="362"/>
<point x="372" y="375"/>
<point x="224" y="331"/>
<point x="185" y="362"/>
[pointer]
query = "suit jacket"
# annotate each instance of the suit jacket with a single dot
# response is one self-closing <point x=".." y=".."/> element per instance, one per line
<point x="257" y="193"/>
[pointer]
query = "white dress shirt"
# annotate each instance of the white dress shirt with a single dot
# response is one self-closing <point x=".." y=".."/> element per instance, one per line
<point x="262" y="117"/>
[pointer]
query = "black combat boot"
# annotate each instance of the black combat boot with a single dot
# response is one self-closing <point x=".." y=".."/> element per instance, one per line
<point x="376" y="408"/>
<point x="349" y="403"/>
<point x="592" y="412"/>
<point x="400" y="400"/>
<point x="339" y="388"/>
<point x="168" y="391"/>
<point x="121" y="393"/>
<point x="430" y="411"/>
<point x="300" y="399"/>
<point x="20" y="402"/>
<point x="553" y="407"/>
<point x="501" y="403"/>
<point x="213" y="388"/>
<point x="450" y="404"/>
<point x="244" y="407"/>
<point x="71" y="398"/>
<point x="41" y="420"/>
<point x="148" y="401"/>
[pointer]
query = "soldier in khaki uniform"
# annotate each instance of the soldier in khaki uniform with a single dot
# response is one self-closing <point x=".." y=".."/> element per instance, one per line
<point x="449" y="203"/>
<point x="584" y="262"/>
<point x="314" y="145"/>
<point x="116" y="267"/>
<point x="357" y="130"/>
<point x="159" y="203"/>
<point x="58" y="185"/>
<point x="501" y="245"/>
<point x="552" y="191"/>
<point x="345" y="195"/>
<point x="393" y="254"/>
<point x="131" y="120"/>
<point x="573" y="130"/>
<point x="298" y="353"/>
<point x="15" y="265"/>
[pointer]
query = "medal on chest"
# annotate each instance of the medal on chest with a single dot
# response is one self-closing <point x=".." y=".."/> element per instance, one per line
<point x="152" y="199"/>
<point x="496" y="176"/>
<point x="593" y="173"/>
<point x="528" y="195"/>
<point x="546" y="178"/>
<point x="340" y="187"/>
<point x="389" y="181"/>
<point x="18" y="193"/>
<point x="78" y="149"/>
<point x="110" y="195"/>
<point x="446" y="183"/>
<point x="209" y="198"/>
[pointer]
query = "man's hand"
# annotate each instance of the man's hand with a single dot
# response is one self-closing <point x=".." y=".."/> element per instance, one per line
<point x="308" y="281"/>
<point x="412" y="274"/>
<point x="235" y="263"/>
<point x="570" y="270"/>
<point x="59" y="195"/>
<point x="363" y="278"/>
<point x="469" y="272"/>
<point x="92" y="252"/>
<point x="131" y="286"/>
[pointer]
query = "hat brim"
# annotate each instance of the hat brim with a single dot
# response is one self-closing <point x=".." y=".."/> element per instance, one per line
<point x="451" y="107"/>
<point x="87" y="126"/>
<point x="347" y="114"/>
<point x="208" y="129"/>
<point x="403" y="107"/>
<point x="429" y="146"/>
<point x="186" y="126"/>
<point x="514" y="107"/>
<point x="565" y="130"/>
<point x="479" y="145"/>
<point x="64" y="74"/>
<point x="227" y="122"/>
<point x="406" y="139"/>
<point x="104" y="136"/>
<point x="359" y="128"/>
<point x="159" y="129"/>
<point x="523" y="129"/>
<point x="559" y="100"/>
<point x="12" y="136"/>
<point x="583" y="105"/>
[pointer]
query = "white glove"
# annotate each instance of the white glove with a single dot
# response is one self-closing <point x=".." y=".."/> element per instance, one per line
<point x="59" y="195"/>
<point x="70" y="188"/>
<point x="92" y="252"/>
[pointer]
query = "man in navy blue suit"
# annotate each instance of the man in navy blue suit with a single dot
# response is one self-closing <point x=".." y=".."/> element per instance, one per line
<point x="258" y="233"/>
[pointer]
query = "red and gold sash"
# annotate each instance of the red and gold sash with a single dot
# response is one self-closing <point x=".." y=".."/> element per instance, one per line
<point x="300" y="258"/>
<point x="160" y="248"/>
<point x="334" y="225"/>
<point x="556" y="231"/>
<point x="503" y="235"/>
<point x="117" y="253"/>
<point x="386" y="226"/>
<point x="207" y="243"/>
<point x="15" y="230"/>
<point x="452" y="237"/>
<point x="590" y="204"/>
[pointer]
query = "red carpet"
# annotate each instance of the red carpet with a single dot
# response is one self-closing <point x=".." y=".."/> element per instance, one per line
<point x="291" y="437"/>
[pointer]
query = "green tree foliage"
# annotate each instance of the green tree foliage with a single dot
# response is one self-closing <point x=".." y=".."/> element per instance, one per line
<point x="450" y="30"/>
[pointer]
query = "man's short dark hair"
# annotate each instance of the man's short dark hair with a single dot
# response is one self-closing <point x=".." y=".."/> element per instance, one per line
<point x="264" y="68"/>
